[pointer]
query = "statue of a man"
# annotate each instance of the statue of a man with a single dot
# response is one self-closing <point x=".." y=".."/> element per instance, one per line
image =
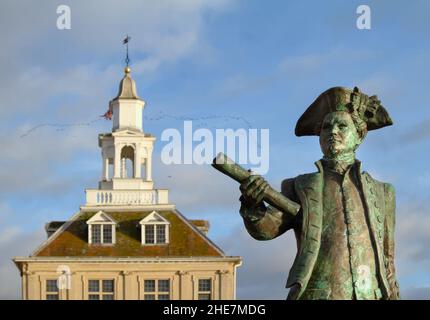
<point x="345" y="226"/>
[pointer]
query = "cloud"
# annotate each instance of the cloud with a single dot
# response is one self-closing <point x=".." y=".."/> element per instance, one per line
<point x="422" y="293"/>
<point x="298" y="67"/>
<point x="420" y="132"/>
<point x="39" y="163"/>
<point x="55" y="105"/>
<point x="240" y="84"/>
<point x="197" y="187"/>
<point x="389" y="88"/>
<point x="412" y="238"/>
<point x="15" y="243"/>
<point x="313" y="61"/>
<point x="162" y="32"/>
<point x="5" y="212"/>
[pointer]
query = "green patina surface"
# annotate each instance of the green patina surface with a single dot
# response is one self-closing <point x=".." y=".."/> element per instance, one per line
<point x="345" y="226"/>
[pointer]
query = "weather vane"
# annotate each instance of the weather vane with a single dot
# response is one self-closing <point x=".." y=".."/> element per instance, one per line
<point x="126" y="41"/>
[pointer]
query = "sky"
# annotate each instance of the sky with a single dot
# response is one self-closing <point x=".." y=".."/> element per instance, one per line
<point x="223" y="64"/>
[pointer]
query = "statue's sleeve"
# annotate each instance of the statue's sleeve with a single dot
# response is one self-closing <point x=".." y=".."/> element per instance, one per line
<point x="265" y="223"/>
<point x="390" y="206"/>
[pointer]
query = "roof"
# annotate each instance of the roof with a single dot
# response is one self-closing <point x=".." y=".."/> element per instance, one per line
<point x="200" y="223"/>
<point x="54" y="224"/>
<point x="127" y="88"/>
<point x="185" y="238"/>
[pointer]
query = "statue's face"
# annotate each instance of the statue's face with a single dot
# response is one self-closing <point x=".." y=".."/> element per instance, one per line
<point x="338" y="134"/>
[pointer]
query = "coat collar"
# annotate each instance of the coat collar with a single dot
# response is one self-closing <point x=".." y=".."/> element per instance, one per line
<point x="320" y="166"/>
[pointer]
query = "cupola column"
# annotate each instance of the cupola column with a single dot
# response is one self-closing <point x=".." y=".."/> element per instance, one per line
<point x="117" y="161"/>
<point x="137" y="162"/>
<point x="149" y="165"/>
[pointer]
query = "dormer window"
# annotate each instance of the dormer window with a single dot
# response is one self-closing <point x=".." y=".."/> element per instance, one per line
<point x="154" y="229"/>
<point x="101" y="229"/>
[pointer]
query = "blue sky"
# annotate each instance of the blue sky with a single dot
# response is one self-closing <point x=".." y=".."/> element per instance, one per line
<point x="264" y="61"/>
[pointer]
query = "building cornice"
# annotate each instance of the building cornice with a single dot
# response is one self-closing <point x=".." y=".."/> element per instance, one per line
<point x="235" y="259"/>
<point x="129" y="208"/>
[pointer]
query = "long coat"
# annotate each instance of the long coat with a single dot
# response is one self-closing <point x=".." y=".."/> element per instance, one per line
<point x="307" y="190"/>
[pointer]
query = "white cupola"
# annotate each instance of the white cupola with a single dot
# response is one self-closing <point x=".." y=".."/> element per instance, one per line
<point x="127" y="107"/>
<point x="126" y="153"/>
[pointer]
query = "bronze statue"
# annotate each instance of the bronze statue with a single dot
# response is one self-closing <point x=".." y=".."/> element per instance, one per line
<point x="343" y="219"/>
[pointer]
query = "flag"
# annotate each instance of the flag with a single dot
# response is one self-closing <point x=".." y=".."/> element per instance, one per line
<point x="126" y="40"/>
<point x="108" y="115"/>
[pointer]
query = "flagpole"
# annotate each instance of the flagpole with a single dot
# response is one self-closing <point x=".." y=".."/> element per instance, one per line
<point x="125" y="41"/>
<point x="127" y="59"/>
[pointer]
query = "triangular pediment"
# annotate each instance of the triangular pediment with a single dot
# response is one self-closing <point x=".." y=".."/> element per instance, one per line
<point x="101" y="218"/>
<point x="154" y="218"/>
<point x="128" y="132"/>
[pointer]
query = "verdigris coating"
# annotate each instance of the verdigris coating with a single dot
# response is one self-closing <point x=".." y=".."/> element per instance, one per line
<point x="344" y="223"/>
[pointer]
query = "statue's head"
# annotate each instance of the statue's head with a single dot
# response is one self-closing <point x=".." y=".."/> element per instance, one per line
<point x="340" y="134"/>
<point x="341" y="118"/>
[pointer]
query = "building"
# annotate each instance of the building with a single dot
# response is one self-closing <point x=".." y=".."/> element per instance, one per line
<point x="127" y="241"/>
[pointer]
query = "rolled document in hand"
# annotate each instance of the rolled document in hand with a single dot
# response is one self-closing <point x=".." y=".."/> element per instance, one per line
<point x="227" y="166"/>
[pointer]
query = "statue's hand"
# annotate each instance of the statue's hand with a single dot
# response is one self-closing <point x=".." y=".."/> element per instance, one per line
<point x="253" y="191"/>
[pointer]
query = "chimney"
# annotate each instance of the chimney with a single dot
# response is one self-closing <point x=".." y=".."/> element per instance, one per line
<point x="202" y="225"/>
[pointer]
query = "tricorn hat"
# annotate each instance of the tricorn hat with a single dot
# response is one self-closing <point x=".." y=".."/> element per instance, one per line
<point x="368" y="109"/>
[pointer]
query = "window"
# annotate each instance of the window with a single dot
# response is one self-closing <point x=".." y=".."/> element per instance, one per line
<point x="156" y="289"/>
<point x="101" y="229"/>
<point x="96" y="235"/>
<point x="161" y="233"/>
<point x="155" y="229"/>
<point x="107" y="233"/>
<point x="149" y="233"/>
<point x="100" y="289"/>
<point x="52" y="289"/>
<point x="101" y="233"/>
<point x="205" y="289"/>
<point x="155" y="233"/>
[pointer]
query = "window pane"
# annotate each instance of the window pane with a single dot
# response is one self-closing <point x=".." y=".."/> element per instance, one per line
<point x="108" y="297"/>
<point x="204" y="296"/>
<point x="93" y="286"/>
<point x="96" y="233"/>
<point x="52" y="297"/>
<point x="163" y="297"/>
<point x="149" y="297"/>
<point x="93" y="297"/>
<point x="149" y="285"/>
<point x="204" y="284"/>
<point x="149" y="234"/>
<point x="107" y="285"/>
<point x="51" y="286"/>
<point x="107" y="233"/>
<point x="163" y="285"/>
<point x="161" y="233"/>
